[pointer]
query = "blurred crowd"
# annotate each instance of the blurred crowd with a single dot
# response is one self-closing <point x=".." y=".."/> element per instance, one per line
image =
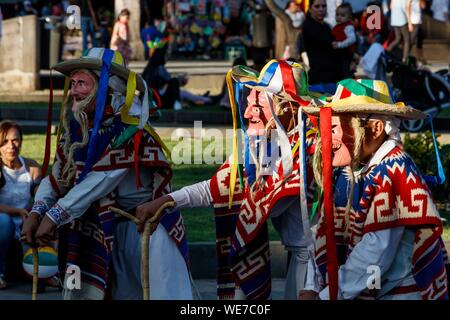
<point x="333" y="34"/>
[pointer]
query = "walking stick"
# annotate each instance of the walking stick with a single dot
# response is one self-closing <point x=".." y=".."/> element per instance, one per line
<point x="145" y="240"/>
<point x="34" y="250"/>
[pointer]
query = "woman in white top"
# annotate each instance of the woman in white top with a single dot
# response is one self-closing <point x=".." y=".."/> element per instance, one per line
<point x="401" y="23"/>
<point x="18" y="178"/>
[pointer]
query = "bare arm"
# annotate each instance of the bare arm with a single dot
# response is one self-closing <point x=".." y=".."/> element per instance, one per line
<point x="408" y="15"/>
<point x="35" y="172"/>
<point x="12" y="211"/>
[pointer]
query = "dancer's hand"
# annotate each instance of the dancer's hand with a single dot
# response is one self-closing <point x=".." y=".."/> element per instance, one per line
<point x="30" y="225"/>
<point x="46" y="232"/>
<point x="308" y="295"/>
<point x="147" y="210"/>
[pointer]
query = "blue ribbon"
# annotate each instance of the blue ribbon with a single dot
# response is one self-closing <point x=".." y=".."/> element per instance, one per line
<point x="99" y="110"/>
<point x="440" y="178"/>
<point x="268" y="75"/>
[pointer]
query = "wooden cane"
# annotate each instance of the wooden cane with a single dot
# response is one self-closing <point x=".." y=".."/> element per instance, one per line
<point x="34" y="250"/>
<point x="145" y="240"/>
<point x="35" y="254"/>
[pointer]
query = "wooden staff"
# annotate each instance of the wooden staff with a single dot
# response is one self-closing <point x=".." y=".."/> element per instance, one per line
<point x="145" y="240"/>
<point x="34" y="250"/>
<point x="35" y="254"/>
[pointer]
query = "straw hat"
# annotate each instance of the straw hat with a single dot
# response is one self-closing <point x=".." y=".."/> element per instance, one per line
<point x="366" y="97"/>
<point x="93" y="60"/>
<point x="281" y="78"/>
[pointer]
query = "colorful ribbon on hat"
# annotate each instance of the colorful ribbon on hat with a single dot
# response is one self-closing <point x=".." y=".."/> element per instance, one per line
<point x="141" y="122"/>
<point x="282" y="141"/>
<point x="99" y="110"/>
<point x="234" y="155"/>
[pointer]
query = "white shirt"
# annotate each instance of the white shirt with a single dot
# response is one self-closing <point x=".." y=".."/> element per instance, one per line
<point x="297" y="18"/>
<point x="398" y="13"/>
<point x="16" y="192"/>
<point x="96" y="185"/>
<point x="350" y="39"/>
<point x="286" y="216"/>
<point x="331" y="11"/>
<point x="416" y="12"/>
<point x="439" y="8"/>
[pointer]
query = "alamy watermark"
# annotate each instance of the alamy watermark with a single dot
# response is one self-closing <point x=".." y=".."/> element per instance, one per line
<point x="73" y="17"/>
<point x="214" y="146"/>
<point x="374" y="280"/>
<point x="72" y="280"/>
<point x="374" y="19"/>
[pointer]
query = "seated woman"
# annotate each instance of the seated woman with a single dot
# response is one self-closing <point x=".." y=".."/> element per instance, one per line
<point x="18" y="178"/>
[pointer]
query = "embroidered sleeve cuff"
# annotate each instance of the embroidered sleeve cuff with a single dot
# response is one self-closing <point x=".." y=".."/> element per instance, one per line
<point x="58" y="215"/>
<point x="39" y="207"/>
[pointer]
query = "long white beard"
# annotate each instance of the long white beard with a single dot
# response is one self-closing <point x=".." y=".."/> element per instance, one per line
<point x="70" y="168"/>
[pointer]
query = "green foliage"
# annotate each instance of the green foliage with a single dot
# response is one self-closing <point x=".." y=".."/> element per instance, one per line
<point x="421" y="148"/>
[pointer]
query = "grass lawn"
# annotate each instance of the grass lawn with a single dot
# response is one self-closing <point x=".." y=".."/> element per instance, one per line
<point x="199" y="222"/>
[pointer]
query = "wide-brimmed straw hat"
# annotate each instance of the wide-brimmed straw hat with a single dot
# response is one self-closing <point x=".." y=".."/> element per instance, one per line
<point x="365" y="96"/>
<point x="93" y="60"/>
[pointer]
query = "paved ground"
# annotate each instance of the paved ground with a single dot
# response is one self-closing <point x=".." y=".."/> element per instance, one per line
<point x="206" y="287"/>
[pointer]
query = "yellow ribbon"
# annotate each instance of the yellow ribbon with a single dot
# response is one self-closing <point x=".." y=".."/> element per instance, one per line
<point x="234" y="155"/>
<point x="126" y="118"/>
<point x="297" y="144"/>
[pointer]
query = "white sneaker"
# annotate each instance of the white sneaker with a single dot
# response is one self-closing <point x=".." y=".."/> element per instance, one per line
<point x="177" y="106"/>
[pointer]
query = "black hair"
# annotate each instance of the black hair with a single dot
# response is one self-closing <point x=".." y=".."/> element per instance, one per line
<point x="346" y="6"/>
<point x="5" y="126"/>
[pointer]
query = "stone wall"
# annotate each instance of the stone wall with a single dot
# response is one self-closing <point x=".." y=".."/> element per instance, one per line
<point x="19" y="54"/>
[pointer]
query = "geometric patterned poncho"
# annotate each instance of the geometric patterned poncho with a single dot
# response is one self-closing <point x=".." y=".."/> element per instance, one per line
<point x="91" y="237"/>
<point x="242" y="241"/>
<point x="391" y="194"/>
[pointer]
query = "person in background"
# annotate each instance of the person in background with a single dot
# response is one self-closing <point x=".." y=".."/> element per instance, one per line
<point x="29" y="9"/>
<point x="440" y="10"/>
<point x="158" y="77"/>
<point x="297" y="16"/>
<point x="401" y="23"/>
<point x="57" y="9"/>
<point x="332" y="5"/>
<point x="155" y="31"/>
<point x="120" y="38"/>
<point x="88" y="22"/>
<point x="370" y="35"/>
<point x="415" y="8"/>
<point x="317" y="39"/>
<point x="19" y="177"/>
<point x="46" y="9"/>
<point x="345" y="38"/>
